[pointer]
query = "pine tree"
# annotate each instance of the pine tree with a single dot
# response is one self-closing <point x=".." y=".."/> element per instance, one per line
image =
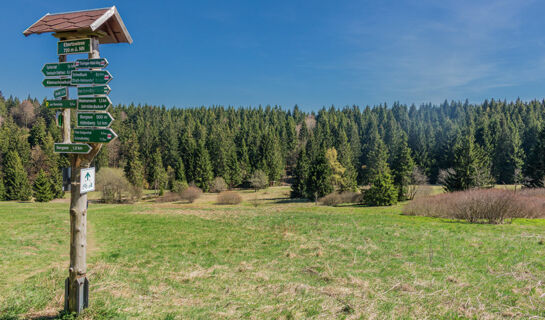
<point x="2" y="190"/>
<point x="535" y="164"/>
<point x="134" y="169"/>
<point x="402" y="167"/>
<point x="376" y="157"/>
<point x="349" y="182"/>
<point x="300" y="175"/>
<point x="271" y="156"/>
<point x="382" y="191"/>
<point x="319" y="177"/>
<point x="42" y="188"/>
<point x="158" y="174"/>
<point x="202" y="167"/>
<point x="15" y="179"/>
<point x="471" y="167"/>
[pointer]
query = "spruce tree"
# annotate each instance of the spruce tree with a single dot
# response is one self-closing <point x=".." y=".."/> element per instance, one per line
<point x="535" y="164"/>
<point x="15" y="179"/>
<point x="2" y="190"/>
<point x="471" y="167"/>
<point x="134" y="169"/>
<point x="319" y="177"/>
<point x="202" y="167"/>
<point x="382" y="191"/>
<point x="42" y="188"/>
<point x="402" y="167"/>
<point x="300" y="175"/>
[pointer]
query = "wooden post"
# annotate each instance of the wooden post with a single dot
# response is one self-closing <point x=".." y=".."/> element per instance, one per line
<point x="77" y="285"/>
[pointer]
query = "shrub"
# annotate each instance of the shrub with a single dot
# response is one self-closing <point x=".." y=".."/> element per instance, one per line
<point x="382" y="191"/>
<point x="259" y="180"/>
<point x="113" y="185"/>
<point x="191" y="194"/>
<point x="178" y="186"/>
<point x="218" y="185"/>
<point x="229" y="197"/>
<point x="334" y="198"/>
<point x="170" y="197"/>
<point x="492" y="206"/>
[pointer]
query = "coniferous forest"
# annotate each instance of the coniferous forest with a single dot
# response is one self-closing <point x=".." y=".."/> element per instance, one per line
<point x="458" y="144"/>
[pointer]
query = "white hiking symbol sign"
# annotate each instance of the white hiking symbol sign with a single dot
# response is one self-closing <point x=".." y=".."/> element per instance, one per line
<point x="87" y="180"/>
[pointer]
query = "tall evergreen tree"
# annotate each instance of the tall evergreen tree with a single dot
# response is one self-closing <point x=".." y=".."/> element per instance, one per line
<point x="402" y="167"/>
<point x="319" y="177"/>
<point x="202" y="175"/>
<point x="134" y="169"/>
<point x="300" y="175"/>
<point x="471" y="167"/>
<point x="535" y="164"/>
<point x="42" y="188"/>
<point x="15" y="179"/>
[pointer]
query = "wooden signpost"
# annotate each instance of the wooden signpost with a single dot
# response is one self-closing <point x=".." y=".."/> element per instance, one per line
<point x="79" y="35"/>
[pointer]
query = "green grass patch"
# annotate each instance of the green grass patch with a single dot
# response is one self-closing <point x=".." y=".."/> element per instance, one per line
<point x="276" y="259"/>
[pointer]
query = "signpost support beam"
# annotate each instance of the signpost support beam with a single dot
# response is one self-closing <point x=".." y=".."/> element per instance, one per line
<point x="77" y="283"/>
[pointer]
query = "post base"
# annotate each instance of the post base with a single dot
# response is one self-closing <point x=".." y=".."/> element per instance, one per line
<point x="82" y="295"/>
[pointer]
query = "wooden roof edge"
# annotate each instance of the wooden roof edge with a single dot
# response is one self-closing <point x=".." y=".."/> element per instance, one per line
<point x="26" y="33"/>
<point x="106" y="16"/>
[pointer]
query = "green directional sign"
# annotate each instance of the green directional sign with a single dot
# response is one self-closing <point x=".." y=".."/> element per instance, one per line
<point x="53" y="82"/>
<point x="91" y="77"/>
<point x="94" y="103"/>
<point x="72" y="148"/>
<point x="91" y="63"/>
<point x="93" y="91"/>
<point x="61" y="104"/>
<point x="94" y="119"/>
<point x="58" y="69"/>
<point x="104" y="135"/>
<point x="74" y="46"/>
<point x="60" y="93"/>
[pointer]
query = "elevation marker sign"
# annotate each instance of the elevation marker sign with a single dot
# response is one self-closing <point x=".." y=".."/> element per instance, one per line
<point x="91" y="77"/>
<point x="102" y="135"/>
<point x="74" y="46"/>
<point x="92" y="119"/>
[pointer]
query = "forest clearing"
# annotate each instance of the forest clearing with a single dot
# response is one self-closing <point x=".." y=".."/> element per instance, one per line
<point x="271" y="257"/>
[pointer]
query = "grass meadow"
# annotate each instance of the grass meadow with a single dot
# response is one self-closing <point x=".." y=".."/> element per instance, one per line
<point x="271" y="258"/>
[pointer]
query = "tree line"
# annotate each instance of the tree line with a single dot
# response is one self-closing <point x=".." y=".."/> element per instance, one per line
<point x="458" y="144"/>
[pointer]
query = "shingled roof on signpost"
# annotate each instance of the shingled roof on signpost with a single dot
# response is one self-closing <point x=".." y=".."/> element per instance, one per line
<point x="105" y="23"/>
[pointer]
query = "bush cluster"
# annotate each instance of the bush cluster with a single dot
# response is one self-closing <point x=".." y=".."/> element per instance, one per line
<point x="218" y="185"/>
<point x="334" y="199"/>
<point x="191" y="194"/>
<point x="114" y="186"/>
<point x="492" y="206"/>
<point x="229" y="197"/>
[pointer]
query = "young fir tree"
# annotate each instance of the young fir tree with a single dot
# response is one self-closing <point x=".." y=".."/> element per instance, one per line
<point x="134" y="169"/>
<point x="15" y="179"/>
<point x="202" y="167"/>
<point x="382" y="191"/>
<point x="349" y="178"/>
<point x="402" y="167"/>
<point x="319" y="177"/>
<point x="2" y="190"/>
<point x="535" y="163"/>
<point x="471" y="166"/>
<point x="300" y="175"/>
<point x="158" y="174"/>
<point x="42" y="188"/>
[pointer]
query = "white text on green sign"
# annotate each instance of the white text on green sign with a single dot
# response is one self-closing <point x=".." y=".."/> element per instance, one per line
<point x="94" y="103"/>
<point x="60" y="93"/>
<point x="94" y="91"/>
<point x="58" y="69"/>
<point x="91" y="63"/>
<point x="91" y="77"/>
<point x="52" y="82"/>
<point x="94" y="119"/>
<point x="104" y="135"/>
<point x="61" y="104"/>
<point x="74" y="46"/>
<point x="72" y="148"/>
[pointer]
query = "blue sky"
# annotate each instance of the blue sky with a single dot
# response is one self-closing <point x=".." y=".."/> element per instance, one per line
<point x="310" y="53"/>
